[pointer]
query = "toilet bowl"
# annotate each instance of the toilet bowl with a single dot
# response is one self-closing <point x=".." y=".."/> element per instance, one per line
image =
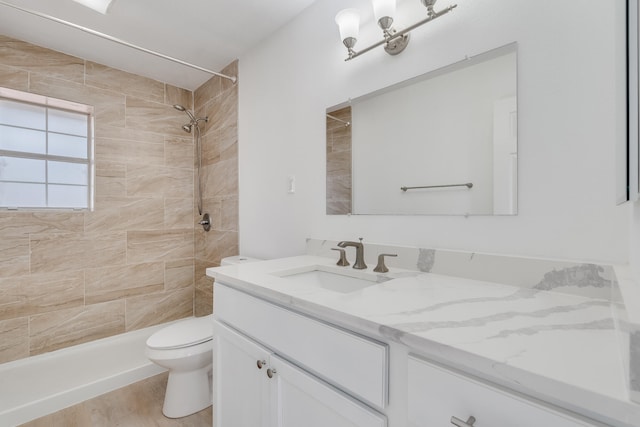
<point x="185" y="348"/>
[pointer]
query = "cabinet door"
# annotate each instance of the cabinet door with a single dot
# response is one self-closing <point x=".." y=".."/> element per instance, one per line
<point x="303" y="400"/>
<point x="241" y="392"/>
<point x="436" y="394"/>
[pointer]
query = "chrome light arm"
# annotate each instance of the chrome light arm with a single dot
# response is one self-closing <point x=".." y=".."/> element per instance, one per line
<point x="394" y="36"/>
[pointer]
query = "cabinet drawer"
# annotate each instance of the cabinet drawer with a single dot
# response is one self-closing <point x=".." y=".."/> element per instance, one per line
<point x="353" y="363"/>
<point x="436" y="394"/>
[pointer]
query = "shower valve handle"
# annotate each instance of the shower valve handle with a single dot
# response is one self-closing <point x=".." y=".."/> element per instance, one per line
<point x="205" y="222"/>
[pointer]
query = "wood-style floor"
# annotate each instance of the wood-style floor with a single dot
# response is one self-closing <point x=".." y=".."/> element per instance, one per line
<point x="137" y="405"/>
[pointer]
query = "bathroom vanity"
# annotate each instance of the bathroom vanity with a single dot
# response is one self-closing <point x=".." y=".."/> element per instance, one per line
<point x="300" y="341"/>
<point x="289" y="371"/>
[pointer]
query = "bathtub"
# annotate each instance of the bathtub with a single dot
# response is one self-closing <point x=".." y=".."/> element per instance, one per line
<point x="39" y="385"/>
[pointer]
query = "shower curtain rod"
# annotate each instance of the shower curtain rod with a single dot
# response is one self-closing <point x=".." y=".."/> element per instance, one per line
<point x="117" y="40"/>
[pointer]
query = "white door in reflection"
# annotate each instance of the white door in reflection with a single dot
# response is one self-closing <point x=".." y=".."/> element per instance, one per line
<point x="505" y="156"/>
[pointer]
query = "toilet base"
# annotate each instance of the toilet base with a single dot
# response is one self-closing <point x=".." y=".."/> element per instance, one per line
<point x="187" y="392"/>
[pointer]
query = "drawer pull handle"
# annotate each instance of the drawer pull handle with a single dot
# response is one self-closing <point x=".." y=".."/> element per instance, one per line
<point x="271" y="372"/>
<point x="458" y="422"/>
<point x="261" y="363"/>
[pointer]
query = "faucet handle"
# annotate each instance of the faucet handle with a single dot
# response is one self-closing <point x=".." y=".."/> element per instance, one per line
<point x="381" y="268"/>
<point x="343" y="257"/>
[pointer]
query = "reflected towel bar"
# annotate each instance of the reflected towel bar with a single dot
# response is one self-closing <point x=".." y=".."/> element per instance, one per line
<point x="468" y="185"/>
<point x="346" y="123"/>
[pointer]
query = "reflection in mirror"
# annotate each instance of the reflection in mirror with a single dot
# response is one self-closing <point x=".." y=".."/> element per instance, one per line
<point x="339" y="161"/>
<point x="449" y="137"/>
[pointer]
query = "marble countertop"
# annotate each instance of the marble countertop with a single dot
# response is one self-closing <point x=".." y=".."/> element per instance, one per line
<point x="559" y="348"/>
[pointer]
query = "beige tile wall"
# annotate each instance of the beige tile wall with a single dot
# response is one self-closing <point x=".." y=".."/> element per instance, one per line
<point x="72" y="277"/>
<point x="217" y="99"/>
<point x="339" y="163"/>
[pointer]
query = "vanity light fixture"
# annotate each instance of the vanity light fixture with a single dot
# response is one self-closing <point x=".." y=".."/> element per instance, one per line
<point x="394" y="41"/>
<point x="101" y="6"/>
<point x="348" y="21"/>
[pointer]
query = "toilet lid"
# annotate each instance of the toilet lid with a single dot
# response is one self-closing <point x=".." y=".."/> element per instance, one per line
<point x="184" y="333"/>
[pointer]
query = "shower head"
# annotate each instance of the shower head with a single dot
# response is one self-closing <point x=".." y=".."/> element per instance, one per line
<point x="193" y="122"/>
<point x="189" y="113"/>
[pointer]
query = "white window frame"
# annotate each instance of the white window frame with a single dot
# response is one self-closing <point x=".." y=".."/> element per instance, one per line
<point x="59" y="105"/>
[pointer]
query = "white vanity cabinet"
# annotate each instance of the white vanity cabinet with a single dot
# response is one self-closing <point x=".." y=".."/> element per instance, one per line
<point x="303" y="400"/>
<point x="435" y="395"/>
<point x="256" y="388"/>
<point x="257" y="383"/>
<point x="241" y="390"/>
<point x="275" y="367"/>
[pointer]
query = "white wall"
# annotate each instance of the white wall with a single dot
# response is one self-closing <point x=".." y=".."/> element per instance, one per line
<point x="571" y="111"/>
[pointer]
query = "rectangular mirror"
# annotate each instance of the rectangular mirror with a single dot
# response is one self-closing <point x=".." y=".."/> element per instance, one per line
<point x="444" y="143"/>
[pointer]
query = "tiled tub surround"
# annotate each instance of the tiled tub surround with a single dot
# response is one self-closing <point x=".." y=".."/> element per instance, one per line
<point x="71" y="277"/>
<point x="562" y="348"/>
<point x="218" y="100"/>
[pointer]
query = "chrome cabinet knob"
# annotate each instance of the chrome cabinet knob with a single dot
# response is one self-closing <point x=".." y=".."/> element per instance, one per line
<point x="458" y="422"/>
<point x="261" y="363"/>
<point x="271" y="372"/>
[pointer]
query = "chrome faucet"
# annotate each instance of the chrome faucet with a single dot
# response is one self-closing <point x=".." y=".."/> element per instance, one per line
<point x="359" y="264"/>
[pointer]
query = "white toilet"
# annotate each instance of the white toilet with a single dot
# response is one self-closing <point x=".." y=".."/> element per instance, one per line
<point x="185" y="348"/>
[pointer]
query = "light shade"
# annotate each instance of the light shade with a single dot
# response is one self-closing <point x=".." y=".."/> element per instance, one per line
<point x="101" y="6"/>
<point x="348" y="21"/>
<point x="384" y="8"/>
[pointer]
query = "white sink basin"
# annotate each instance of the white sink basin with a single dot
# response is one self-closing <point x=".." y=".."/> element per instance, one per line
<point x="323" y="277"/>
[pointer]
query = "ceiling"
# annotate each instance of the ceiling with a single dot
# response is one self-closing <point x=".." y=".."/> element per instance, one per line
<point x="207" y="33"/>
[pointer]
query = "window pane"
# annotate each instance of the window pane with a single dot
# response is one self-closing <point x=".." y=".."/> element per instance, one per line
<point x="18" y="169"/>
<point x="69" y="146"/>
<point x="68" y="173"/>
<point x="68" y="122"/>
<point x="25" y="140"/>
<point x="24" y="115"/>
<point x="18" y="195"/>
<point x="39" y="146"/>
<point x="67" y="196"/>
